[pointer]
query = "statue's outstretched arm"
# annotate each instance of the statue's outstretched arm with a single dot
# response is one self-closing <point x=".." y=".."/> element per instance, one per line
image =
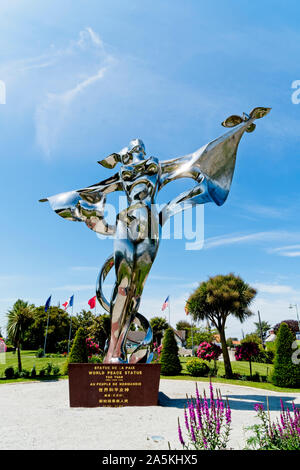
<point x="87" y="204"/>
<point x="211" y="166"/>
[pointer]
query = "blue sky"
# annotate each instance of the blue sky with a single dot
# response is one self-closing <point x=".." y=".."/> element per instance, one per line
<point x="84" y="77"/>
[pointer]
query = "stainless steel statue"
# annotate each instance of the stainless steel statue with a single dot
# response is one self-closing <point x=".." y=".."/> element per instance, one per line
<point x="137" y="230"/>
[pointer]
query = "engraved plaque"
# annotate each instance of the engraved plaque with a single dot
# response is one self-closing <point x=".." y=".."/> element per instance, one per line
<point x="113" y="385"/>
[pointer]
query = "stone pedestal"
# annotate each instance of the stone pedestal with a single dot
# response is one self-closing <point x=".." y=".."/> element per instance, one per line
<point x="113" y="385"/>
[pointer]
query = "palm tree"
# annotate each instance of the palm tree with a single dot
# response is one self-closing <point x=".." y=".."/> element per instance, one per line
<point x="19" y="318"/>
<point x="262" y="329"/>
<point x="158" y="325"/>
<point x="216" y="299"/>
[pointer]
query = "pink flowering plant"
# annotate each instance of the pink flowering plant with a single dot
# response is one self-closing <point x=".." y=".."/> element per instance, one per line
<point x="207" y="422"/>
<point x="247" y="352"/>
<point x="92" y="347"/>
<point x="157" y="352"/>
<point x="283" y="434"/>
<point x="209" y="352"/>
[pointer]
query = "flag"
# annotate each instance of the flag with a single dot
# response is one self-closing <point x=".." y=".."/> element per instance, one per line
<point x="47" y="304"/>
<point x="165" y="304"/>
<point x="68" y="303"/>
<point x="92" y="302"/>
<point x="186" y="310"/>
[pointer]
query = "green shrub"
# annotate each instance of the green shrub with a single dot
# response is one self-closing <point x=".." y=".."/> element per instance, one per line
<point x="24" y="374"/>
<point x="285" y="373"/>
<point x="33" y="372"/>
<point x="264" y="357"/>
<point x="39" y="353"/>
<point x="9" y="373"/>
<point x="78" y="353"/>
<point x="48" y="368"/>
<point x="271" y="346"/>
<point x="197" y="367"/>
<point x="170" y="364"/>
<point x="42" y="372"/>
<point x="62" y="346"/>
<point x="96" y="359"/>
<point x="56" y="370"/>
<point x="65" y="368"/>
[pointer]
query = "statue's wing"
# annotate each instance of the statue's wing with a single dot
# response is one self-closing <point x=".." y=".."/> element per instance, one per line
<point x="211" y="166"/>
<point x="87" y="204"/>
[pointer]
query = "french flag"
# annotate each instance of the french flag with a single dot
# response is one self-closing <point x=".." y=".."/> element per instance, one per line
<point x="165" y="304"/>
<point x="69" y="302"/>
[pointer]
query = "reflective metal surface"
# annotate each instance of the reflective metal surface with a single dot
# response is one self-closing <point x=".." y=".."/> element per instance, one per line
<point x="137" y="230"/>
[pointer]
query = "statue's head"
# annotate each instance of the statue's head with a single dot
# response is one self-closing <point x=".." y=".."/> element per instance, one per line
<point x="134" y="153"/>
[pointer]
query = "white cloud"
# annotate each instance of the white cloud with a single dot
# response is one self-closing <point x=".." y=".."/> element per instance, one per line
<point x="273" y="288"/>
<point x="266" y="211"/>
<point x="75" y="287"/>
<point x="287" y="251"/>
<point x="259" y="237"/>
<point x="76" y="68"/>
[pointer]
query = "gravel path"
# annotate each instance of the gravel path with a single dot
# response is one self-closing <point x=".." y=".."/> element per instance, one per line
<point x="38" y="416"/>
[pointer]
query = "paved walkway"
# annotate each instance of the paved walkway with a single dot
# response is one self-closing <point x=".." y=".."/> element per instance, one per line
<point x="38" y="416"/>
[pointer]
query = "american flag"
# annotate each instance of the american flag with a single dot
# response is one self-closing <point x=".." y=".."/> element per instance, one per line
<point x="165" y="304"/>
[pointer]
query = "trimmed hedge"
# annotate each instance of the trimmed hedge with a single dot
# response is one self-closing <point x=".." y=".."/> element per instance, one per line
<point x="170" y="364"/>
<point x="285" y="373"/>
<point x="78" y="353"/>
<point x="197" y="367"/>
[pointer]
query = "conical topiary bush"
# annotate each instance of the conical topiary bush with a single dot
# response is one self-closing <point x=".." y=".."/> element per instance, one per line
<point x="78" y="351"/>
<point x="170" y="364"/>
<point x="285" y="372"/>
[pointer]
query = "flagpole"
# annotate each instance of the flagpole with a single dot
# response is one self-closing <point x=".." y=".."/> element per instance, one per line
<point x="48" y="308"/>
<point x="70" y="327"/>
<point x="46" y="332"/>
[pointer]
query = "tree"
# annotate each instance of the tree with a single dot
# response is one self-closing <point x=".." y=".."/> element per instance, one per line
<point x="247" y="351"/>
<point x="158" y="325"/>
<point x="292" y="324"/>
<point x="58" y="328"/>
<point x="183" y="325"/>
<point x="100" y="329"/>
<point x="170" y="364"/>
<point x="200" y="335"/>
<point x="262" y="328"/>
<point x="285" y="372"/>
<point x="216" y="299"/>
<point x="84" y="319"/>
<point x="19" y="318"/>
<point x="253" y="338"/>
<point x="79" y="351"/>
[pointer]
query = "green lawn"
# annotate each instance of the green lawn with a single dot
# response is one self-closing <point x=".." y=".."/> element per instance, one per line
<point x="238" y="367"/>
<point x="28" y="361"/>
<point x="241" y="367"/>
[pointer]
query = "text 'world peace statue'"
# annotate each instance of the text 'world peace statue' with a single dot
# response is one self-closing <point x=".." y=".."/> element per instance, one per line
<point x="138" y="228"/>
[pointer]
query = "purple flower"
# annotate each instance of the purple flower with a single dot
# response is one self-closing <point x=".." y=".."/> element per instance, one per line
<point x="259" y="407"/>
<point x="180" y="434"/>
